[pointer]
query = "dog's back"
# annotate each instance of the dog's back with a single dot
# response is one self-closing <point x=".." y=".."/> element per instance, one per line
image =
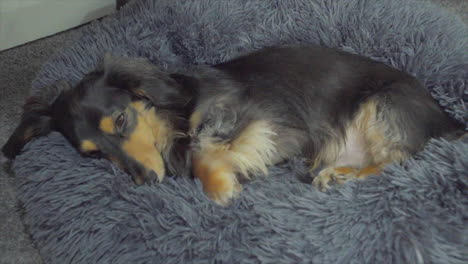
<point x="319" y="89"/>
<point x="345" y="113"/>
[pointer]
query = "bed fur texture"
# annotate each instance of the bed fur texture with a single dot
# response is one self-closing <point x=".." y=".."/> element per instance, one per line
<point x="81" y="210"/>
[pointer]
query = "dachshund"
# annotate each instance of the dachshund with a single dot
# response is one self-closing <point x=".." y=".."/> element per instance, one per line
<point x="347" y="115"/>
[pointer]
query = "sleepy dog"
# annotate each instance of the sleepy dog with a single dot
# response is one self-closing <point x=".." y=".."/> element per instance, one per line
<point x="344" y="113"/>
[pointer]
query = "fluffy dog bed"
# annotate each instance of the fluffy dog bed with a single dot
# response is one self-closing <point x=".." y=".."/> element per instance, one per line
<point x="86" y="211"/>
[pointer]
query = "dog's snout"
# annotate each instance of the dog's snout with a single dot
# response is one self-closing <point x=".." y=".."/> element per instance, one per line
<point x="152" y="175"/>
<point x="139" y="179"/>
<point x="139" y="173"/>
<point x="146" y="176"/>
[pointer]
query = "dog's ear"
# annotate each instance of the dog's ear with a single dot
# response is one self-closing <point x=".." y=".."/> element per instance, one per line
<point x="36" y="119"/>
<point x="146" y="80"/>
<point x="49" y="93"/>
<point x="124" y="73"/>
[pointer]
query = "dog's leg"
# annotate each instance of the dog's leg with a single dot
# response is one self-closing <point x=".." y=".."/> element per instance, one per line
<point x="218" y="163"/>
<point x="216" y="171"/>
<point x="373" y="140"/>
<point x="341" y="174"/>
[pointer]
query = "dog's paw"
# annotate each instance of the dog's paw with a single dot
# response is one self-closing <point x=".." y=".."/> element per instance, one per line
<point x="222" y="187"/>
<point x="334" y="175"/>
<point x="219" y="181"/>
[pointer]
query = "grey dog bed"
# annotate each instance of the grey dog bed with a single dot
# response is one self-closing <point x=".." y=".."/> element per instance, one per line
<point x="80" y="210"/>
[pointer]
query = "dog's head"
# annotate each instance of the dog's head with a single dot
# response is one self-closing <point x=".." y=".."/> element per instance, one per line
<point x="127" y="111"/>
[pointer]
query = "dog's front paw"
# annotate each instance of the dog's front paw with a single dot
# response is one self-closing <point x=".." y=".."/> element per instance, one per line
<point x="222" y="188"/>
<point x="333" y="175"/>
<point x="218" y="179"/>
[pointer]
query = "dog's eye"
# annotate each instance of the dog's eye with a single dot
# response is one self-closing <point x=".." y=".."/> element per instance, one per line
<point x="120" y="121"/>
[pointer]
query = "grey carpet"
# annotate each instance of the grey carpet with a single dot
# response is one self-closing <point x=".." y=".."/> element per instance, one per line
<point x="18" y="67"/>
<point x="278" y="219"/>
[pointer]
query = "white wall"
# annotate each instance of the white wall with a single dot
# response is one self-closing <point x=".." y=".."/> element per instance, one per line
<point x="22" y="21"/>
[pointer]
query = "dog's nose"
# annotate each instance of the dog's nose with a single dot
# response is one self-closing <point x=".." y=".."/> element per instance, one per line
<point x="141" y="178"/>
<point x="138" y="173"/>
<point x="152" y="175"/>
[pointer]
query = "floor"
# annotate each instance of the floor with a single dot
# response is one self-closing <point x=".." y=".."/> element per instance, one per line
<point x="18" y="67"/>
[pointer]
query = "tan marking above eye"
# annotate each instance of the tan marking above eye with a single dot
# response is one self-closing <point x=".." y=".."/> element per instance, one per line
<point x="107" y="125"/>
<point x="139" y="92"/>
<point x="88" y="146"/>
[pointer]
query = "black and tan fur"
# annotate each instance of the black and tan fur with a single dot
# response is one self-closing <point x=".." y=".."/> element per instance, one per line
<point x="346" y="114"/>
